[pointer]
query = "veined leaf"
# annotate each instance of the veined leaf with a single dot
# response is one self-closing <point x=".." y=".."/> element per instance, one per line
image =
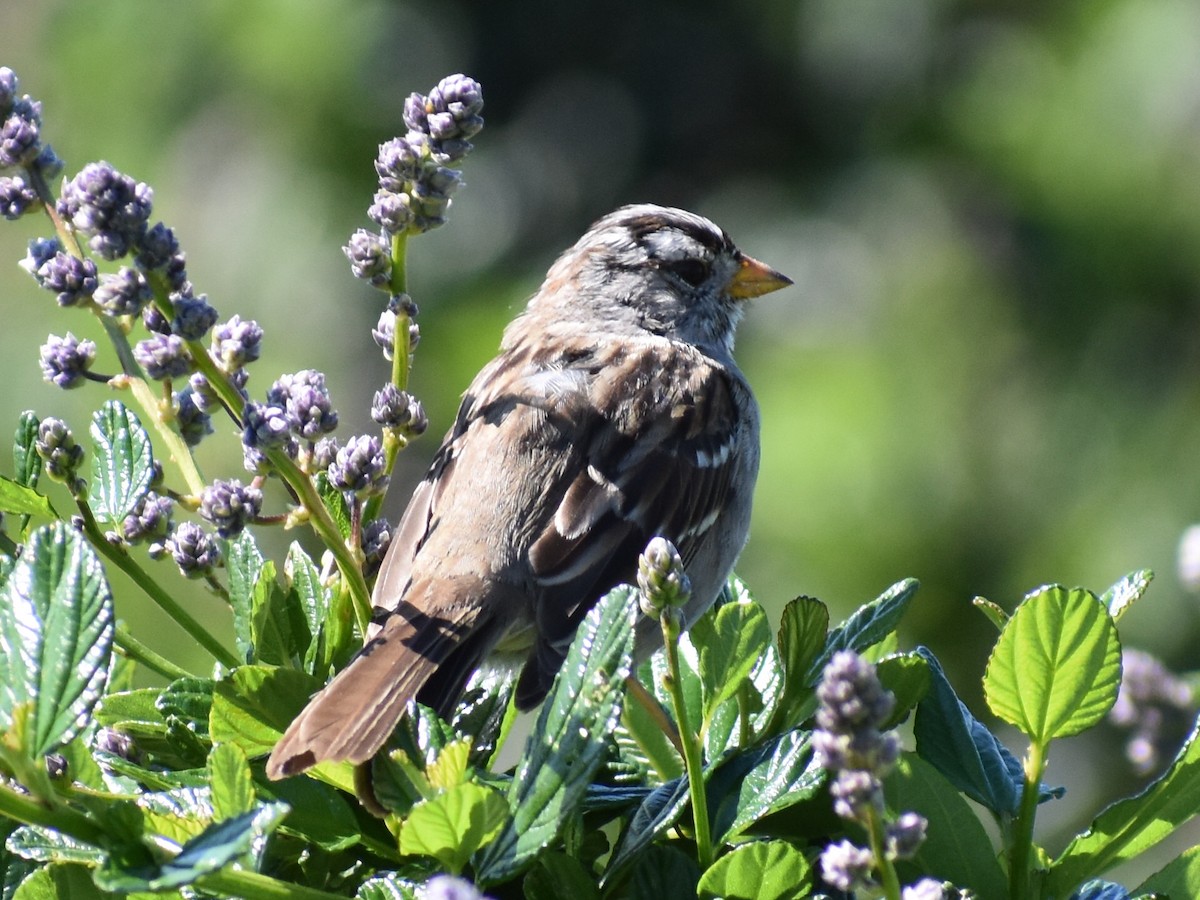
<point x="759" y="870"/>
<point x="454" y="824"/>
<point x="122" y="462"/>
<point x="244" y="564"/>
<point x="570" y="739"/>
<point x="1056" y="667"/>
<point x="869" y="625"/>
<point x="56" y="633"/>
<point x="24" y="501"/>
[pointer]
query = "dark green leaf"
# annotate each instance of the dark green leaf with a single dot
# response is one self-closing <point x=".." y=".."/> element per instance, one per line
<point x="335" y="502"/>
<point x="802" y="634"/>
<point x="486" y="713"/>
<point x="956" y="847"/>
<point x="664" y="872"/>
<point x="56" y="632"/>
<point x="243" y="564"/>
<point x="869" y="625"/>
<point x="320" y="813"/>
<point x="122" y="463"/>
<point x="570" y="740"/>
<point x="27" y="465"/>
<point x="1056" y="667"/>
<point x="906" y="675"/>
<point x="658" y="812"/>
<point x="760" y="870"/>
<point x="555" y="876"/>
<point x="762" y="782"/>
<point x="24" y="501"/>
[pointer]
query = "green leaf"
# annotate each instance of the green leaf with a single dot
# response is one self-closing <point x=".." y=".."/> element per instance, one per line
<point x="255" y="704"/>
<point x="760" y="870"/>
<point x="335" y="502"/>
<point x="320" y="814"/>
<point x="802" y="632"/>
<point x="729" y="641"/>
<point x="389" y="886"/>
<point x="232" y="786"/>
<point x="868" y="626"/>
<point x="306" y="594"/>
<point x="994" y="612"/>
<point x="1131" y="826"/>
<point x="486" y="713"/>
<point x="243" y="565"/>
<point x="906" y="675"/>
<point x="27" y="465"/>
<point x="25" y="501"/>
<point x="217" y="846"/>
<point x="957" y="847"/>
<point x="189" y="699"/>
<point x="61" y="881"/>
<point x="453" y="825"/>
<point x="1178" y="878"/>
<point x="570" y="740"/>
<point x="1056" y="667"/>
<point x="659" y="811"/>
<point x="780" y="774"/>
<point x="1122" y="595"/>
<point x="46" y="846"/>
<point x="556" y="875"/>
<point x="664" y="872"/>
<point x="270" y="625"/>
<point x="56" y="632"/>
<point x="122" y="462"/>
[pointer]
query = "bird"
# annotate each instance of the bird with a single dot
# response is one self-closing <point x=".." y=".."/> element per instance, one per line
<point x="614" y="413"/>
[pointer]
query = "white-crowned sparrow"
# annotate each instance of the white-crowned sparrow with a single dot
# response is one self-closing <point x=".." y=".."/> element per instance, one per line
<point x="614" y="413"/>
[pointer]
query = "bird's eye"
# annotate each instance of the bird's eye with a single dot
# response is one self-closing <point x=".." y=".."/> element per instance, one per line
<point x="690" y="269"/>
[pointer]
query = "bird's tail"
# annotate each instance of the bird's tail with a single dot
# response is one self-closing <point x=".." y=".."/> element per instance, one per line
<point x="427" y="647"/>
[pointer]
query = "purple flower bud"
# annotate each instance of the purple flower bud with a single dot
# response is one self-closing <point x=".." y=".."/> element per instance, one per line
<point x="111" y="208"/>
<point x="194" y="550"/>
<point x="150" y="519"/>
<point x="16" y="197"/>
<point x="163" y="356"/>
<point x="20" y="133"/>
<point x="123" y="294"/>
<point x="56" y="446"/>
<point x="851" y="695"/>
<point x="65" y="361"/>
<point x="306" y="399"/>
<point x="397" y="163"/>
<point x="195" y="424"/>
<point x="266" y="425"/>
<point x="661" y="579"/>
<point x="155" y="321"/>
<point x="72" y="280"/>
<point x="229" y="505"/>
<point x="157" y="247"/>
<point x="193" y="316"/>
<point x="47" y="164"/>
<point x="846" y="867"/>
<point x="359" y="466"/>
<point x="927" y="889"/>
<point x="370" y="258"/>
<point x="384" y="333"/>
<point x="391" y="212"/>
<point x="399" y="410"/>
<point x="236" y="343"/>
<point x="323" y="454"/>
<point x="855" y="794"/>
<point x="906" y="835"/>
<point x="376" y="538"/>
<point x="8" y="89"/>
<point x="415" y="112"/>
<point x="449" y="887"/>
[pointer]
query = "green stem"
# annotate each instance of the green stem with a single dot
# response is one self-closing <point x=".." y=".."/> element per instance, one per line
<point x="1022" y="847"/>
<point x="121" y="559"/>
<point x="25" y="808"/>
<point x="255" y="886"/>
<point x="136" y="650"/>
<point x="692" y="761"/>
<point x="888" y="878"/>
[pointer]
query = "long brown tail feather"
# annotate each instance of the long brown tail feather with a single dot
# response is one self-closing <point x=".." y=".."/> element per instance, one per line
<point x="354" y="715"/>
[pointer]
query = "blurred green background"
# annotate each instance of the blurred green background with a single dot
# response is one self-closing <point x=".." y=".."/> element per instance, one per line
<point x="985" y="376"/>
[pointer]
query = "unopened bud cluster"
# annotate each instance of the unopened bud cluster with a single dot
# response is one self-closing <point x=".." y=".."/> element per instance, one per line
<point x="661" y="580"/>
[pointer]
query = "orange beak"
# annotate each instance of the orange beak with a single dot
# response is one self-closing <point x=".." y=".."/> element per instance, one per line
<point x="753" y="279"/>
